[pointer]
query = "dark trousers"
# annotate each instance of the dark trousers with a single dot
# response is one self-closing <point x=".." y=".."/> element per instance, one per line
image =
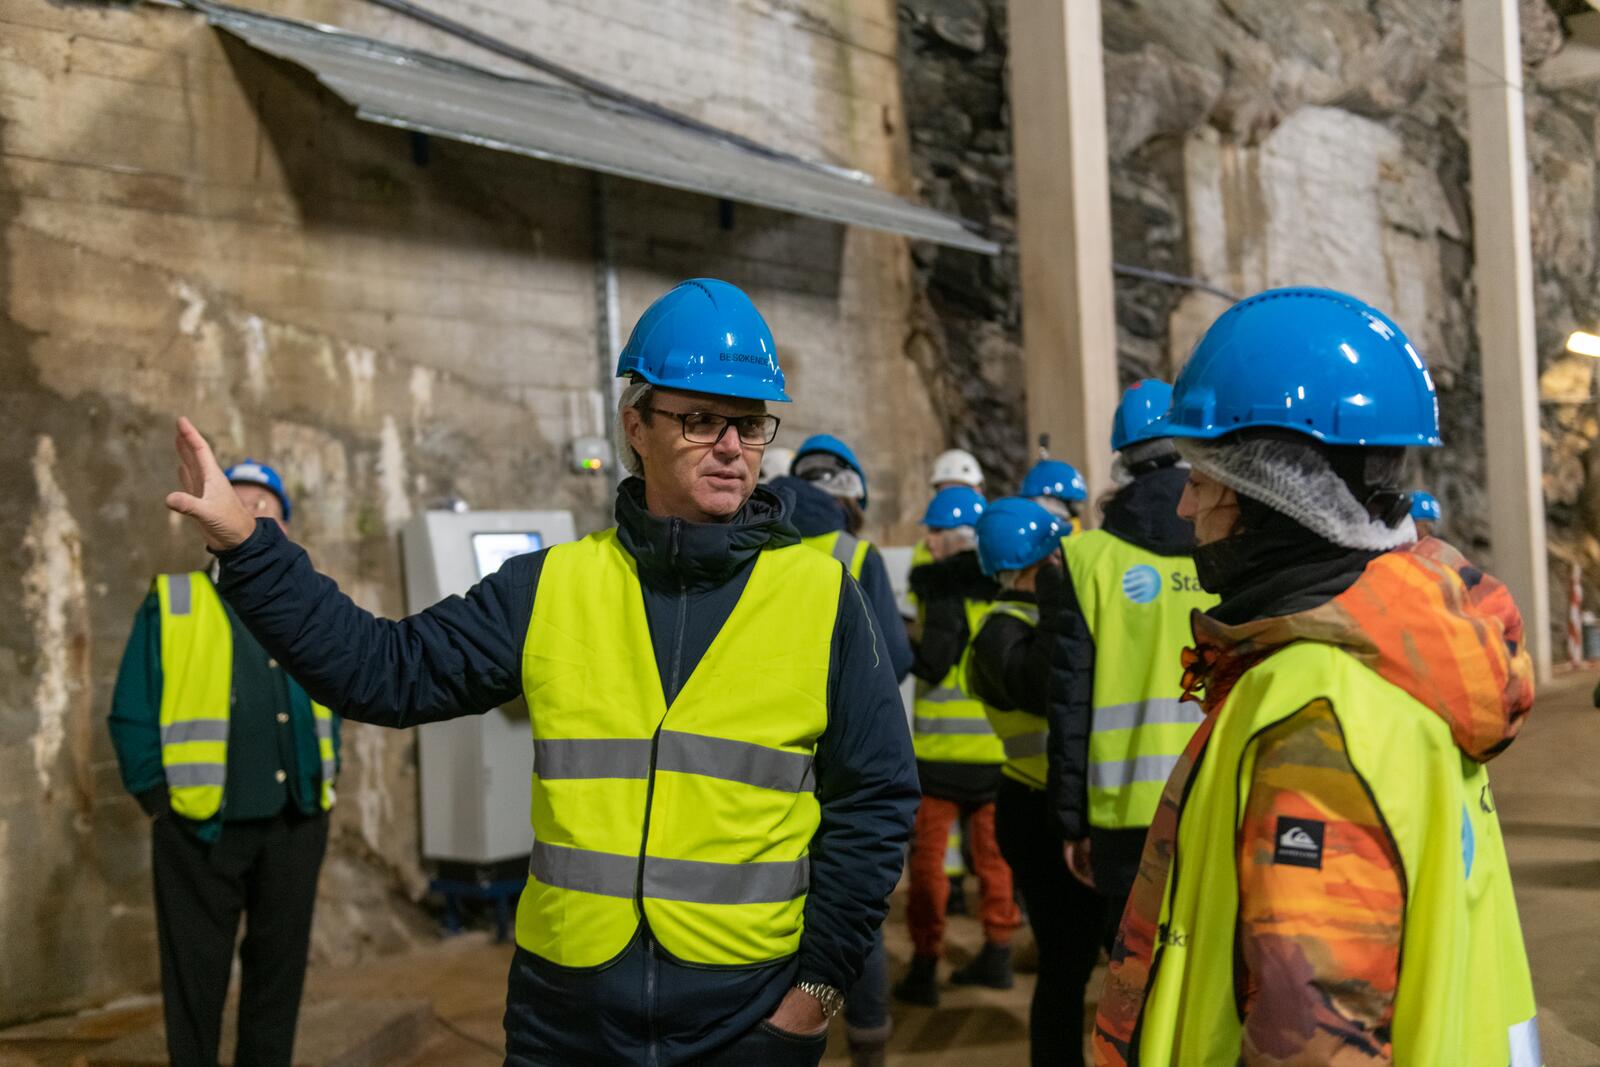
<point x="1067" y="919"/>
<point x="266" y="869"/>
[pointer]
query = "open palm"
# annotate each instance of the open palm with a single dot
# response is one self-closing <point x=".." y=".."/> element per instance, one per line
<point x="206" y="497"/>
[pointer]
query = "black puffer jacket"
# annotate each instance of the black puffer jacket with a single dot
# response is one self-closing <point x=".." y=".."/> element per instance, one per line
<point x="463" y="657"/>
<point x="1144" y="513"/>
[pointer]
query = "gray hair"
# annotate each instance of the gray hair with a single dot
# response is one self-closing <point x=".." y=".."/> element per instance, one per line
<point x="636" y="394"/>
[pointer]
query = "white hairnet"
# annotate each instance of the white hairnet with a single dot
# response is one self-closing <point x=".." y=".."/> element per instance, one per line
<point x="1297" y="481"/>
<point x="830" y="474"/>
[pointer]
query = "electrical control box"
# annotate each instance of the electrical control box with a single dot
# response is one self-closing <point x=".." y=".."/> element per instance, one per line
<point x="476" y="771"/>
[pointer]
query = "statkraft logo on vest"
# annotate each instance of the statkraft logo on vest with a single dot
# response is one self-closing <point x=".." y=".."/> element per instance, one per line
<point x="1141" y="583"/>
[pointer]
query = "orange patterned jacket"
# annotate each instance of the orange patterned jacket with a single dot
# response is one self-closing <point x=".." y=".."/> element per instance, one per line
<point x="1319" y="949"/>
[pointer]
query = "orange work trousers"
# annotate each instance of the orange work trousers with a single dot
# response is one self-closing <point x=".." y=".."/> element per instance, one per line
<point x="930" y="885"/>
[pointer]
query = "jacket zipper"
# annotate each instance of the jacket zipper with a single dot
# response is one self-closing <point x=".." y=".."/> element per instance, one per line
<point x="675" y="542"/>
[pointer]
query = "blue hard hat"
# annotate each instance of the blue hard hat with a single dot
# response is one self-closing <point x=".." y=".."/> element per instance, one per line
<point x="1014" y="533"/>
<point x="252" y="473"/>
<point x="705" y="336"/>
<point x="959" y="505"/>
<point x="1054" y="477"/>
<point x="829" y="445"/>
<point x="1425" y="506"/>
<point x="1315" y="361"/>
<point x="1138" y="411"/>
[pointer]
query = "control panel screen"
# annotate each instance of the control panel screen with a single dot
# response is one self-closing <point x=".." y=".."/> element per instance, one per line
<point x="493" y="549"/>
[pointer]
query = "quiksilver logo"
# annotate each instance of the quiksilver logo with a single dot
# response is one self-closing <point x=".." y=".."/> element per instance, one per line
<point x="1295" y="837"/>
<point x="1299" y="842"/>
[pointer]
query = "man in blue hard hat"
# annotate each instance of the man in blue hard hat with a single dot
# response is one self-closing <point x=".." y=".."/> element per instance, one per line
<point x="827" y="498"/>
<point x="1056" y="486"/>
<point x="1425" y="512"/>
<point x="1008" y="669"/>
<point x="828" y="487"/>
<point x="1324" y="880"/>
<point x="235" y="767"/>
<point x="1117" y="616"/>
<point x="958" y="757"/>
<point x="722" y="781"/>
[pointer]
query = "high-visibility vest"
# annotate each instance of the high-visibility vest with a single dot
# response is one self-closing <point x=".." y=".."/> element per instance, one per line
<point x="197" y="698"/>
<point x="695" y="817"/>
<point x="1137" y="607"/>
<point x="1465" y="997"/>
<point x="1022" y="734"/>
<point x="948" y="723"/>
<point x="847" y="548"/>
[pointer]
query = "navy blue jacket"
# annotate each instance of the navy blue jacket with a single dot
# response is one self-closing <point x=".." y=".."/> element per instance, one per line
<point x="463" y="656"/>
<point x="814" y="513"/>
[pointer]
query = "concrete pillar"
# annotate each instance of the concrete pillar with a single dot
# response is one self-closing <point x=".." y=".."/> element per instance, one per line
<point x="1503" y="260"/>
<point x="1069" y="330"/>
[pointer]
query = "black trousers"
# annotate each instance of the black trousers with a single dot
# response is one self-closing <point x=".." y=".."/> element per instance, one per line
<point x="265" y="869"/>
<point x="1068" y="920"/>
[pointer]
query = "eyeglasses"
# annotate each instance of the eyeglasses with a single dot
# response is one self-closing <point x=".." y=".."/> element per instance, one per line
<point x="707" y="428"/>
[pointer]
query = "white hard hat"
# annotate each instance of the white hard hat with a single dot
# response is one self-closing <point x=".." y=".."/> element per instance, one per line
<point x="956" y="465"/>
<point x="775" y="463"/>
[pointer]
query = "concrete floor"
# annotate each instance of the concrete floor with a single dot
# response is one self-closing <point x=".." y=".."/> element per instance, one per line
<point x="1548" y="791"/>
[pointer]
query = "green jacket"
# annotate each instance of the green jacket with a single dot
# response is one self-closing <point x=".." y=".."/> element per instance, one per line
<point x="261" y="690"/>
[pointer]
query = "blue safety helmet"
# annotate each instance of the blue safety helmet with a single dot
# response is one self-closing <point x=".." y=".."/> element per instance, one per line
<point x="252" y="473"/>
<point x="1424" y="506"/>
<point x="1054" y="477"/>
<point x="829" y="445"/>
<point x="958" y="505"/>
<point x="1014" y="533"/>
<point x="705" y="336"/>
<point x="1315" y="361"/>
<point x="1137" y="413"/>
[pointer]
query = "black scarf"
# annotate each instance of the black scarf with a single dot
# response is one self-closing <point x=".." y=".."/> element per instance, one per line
<point x="1276" y="567"/>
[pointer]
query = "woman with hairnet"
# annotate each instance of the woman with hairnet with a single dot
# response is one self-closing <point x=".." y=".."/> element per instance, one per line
<point x="1324" y="880"/>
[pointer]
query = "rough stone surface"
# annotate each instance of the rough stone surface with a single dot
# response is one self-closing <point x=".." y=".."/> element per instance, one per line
<point x="1258" y="143"/>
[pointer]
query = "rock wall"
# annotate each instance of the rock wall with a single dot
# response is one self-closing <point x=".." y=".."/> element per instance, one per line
<point x="1257" y="143"/>
<point x="189" y="226"/>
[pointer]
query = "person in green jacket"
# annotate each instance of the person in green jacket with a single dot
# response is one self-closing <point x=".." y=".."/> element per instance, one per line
<point x="235" y="767"/>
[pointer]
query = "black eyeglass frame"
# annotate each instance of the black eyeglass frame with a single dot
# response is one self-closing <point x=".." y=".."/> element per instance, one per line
<point x="683" y="417"/>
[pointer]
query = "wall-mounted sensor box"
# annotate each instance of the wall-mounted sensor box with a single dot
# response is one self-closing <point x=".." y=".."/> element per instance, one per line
<point x="591" y="455"/>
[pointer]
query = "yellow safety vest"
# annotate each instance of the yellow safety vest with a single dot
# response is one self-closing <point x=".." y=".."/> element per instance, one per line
<point x="697" y="817"/>
<point x="197" y="697"/>
<point x="948" y="723"/>
<point x="1465" y="997"/>
<point x="844" y="547"/>
<point x="1022" y="734"/>
<point x="1137" y="607"/>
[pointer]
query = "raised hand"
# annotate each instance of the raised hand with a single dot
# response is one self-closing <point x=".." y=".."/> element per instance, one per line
<point x="207" y="498"/>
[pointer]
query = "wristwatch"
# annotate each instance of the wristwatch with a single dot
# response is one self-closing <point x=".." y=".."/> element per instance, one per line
<point x="830" y="998"/>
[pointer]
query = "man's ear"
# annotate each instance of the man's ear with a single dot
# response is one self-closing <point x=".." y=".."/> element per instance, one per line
<point x="633" y="428"/>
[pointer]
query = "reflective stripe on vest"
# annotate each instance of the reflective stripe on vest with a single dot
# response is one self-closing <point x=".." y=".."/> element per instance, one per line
<point x="948" y="725"/>
<point x="197" y="698"/>
<point x="847" y="548"/>
<point x="1137" y="607"/>
<point x="1022" y="734"/>
<point x="1464" y="997"/>
<point x="697" y="817"/>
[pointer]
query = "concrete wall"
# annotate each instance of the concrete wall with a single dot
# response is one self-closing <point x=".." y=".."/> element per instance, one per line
<point x="188" y="226"/>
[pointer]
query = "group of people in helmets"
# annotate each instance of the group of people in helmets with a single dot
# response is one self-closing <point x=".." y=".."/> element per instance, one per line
<point x="1228" y="723"/>
<point x="1063" y="676"/>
